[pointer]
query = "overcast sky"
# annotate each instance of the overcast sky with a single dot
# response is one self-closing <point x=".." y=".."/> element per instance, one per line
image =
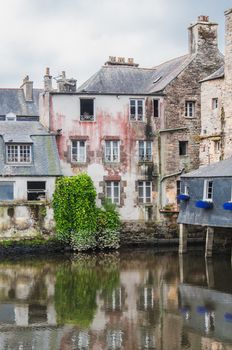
<point x="78" y="35"/>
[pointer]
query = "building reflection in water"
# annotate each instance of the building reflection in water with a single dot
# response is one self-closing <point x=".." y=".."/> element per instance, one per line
<point x="132" y="300"/>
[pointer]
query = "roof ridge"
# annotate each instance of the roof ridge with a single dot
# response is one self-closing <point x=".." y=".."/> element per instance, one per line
<point x="172" y="59"/>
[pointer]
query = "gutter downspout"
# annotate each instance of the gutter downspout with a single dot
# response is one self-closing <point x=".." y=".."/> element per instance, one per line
<point x="166" y="177"/>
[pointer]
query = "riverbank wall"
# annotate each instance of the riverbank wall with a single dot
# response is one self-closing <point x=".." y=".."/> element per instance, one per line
<point x="33" y="219"/>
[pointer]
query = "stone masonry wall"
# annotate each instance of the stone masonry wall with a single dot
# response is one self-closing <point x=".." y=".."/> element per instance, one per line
<point x="212" y="119"/>
<point x="184" y="88"/>
<point x="228" y="84"/>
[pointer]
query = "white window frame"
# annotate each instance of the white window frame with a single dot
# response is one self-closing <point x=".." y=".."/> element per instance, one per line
<point x="111" y="186"/>
<point x="186" y="189"/>
<point x="14" y="156"/>
<point x="145" y="146"/>
<point x="110" y="147"/>
<point x="78" y="154"/>
<point x="144" y="185"/>
<point x="215" y="103"/>
<point x="137" y="116"/>
<point x="190" y="109"/>
<point x="208" y="190"/>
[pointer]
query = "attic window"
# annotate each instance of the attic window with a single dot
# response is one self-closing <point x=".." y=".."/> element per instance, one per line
<point x="87" y="109"/>
<point x="10" y="117"/>
<point x="16" y="153"/>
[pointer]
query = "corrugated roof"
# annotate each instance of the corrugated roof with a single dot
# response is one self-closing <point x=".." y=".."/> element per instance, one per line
<point x="216" y="75"/>
<point x="219" y="169"/>
<point x="44" y="149"/>
<point x="13" y="100"/>
<point x="113" y="79"/>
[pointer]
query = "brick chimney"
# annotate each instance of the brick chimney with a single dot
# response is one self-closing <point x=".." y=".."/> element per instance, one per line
<point x="203" y="36"/>
<point x="47" y="80"/>
<point x="27" y="87"/>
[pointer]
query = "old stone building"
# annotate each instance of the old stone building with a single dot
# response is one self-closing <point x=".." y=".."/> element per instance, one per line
<point x="216" y="106"/>
<point x="134" y="129"/>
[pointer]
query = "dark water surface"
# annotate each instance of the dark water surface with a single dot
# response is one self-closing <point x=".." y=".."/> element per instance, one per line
<point x="134" y="299"/>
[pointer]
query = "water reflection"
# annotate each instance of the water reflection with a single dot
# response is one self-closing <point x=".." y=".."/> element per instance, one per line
<point x="129" y="300"/>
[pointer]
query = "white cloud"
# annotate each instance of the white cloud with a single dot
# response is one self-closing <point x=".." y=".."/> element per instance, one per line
<point x="78" y="35"/>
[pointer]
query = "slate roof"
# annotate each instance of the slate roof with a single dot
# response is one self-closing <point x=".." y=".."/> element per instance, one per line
<point x="131" y="80"/>
<point x="13" y="100"/>
<point x="216" y="75"/>
<point x="45" y="159"/>
<point x="219" y="169"/>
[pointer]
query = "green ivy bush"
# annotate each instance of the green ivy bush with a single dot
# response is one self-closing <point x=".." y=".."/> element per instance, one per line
<point x="108" y="224"/>
<point x="78" y="220"/>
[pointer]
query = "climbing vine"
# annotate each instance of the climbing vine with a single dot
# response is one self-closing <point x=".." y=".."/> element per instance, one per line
<point x="78" y="220"/>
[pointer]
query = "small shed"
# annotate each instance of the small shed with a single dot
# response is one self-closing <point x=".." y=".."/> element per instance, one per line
<point x="206" y="200"/>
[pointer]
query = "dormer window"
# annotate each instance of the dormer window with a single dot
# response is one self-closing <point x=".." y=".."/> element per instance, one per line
<point x="18" y="153"/>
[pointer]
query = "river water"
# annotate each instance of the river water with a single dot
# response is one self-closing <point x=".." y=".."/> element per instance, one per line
<point x="133" y="299"/>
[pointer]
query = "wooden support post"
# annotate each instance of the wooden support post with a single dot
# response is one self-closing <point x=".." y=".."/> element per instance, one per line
<point x="209" y="272"/>
<point x="181" y="268"/>
<point x="183" y="235"/>
<point x="209" y="242"/>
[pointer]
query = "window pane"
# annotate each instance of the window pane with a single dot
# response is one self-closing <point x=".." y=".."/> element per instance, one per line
<point x="141" y="151"/>
<point x="148" y="191"/>
<point x="74" y="151"/>
<point x="81" y="157"/>
<point x="132" y="110"/>
<point x="140" y="109"/>
<point x="116" y="192"/>
<point x="148" y="151"/>
<point x="108" y="151"/>
<point x="141" y="192"/>
<point x="6" y="190"/>
<point x="108" y="190"/>
<point x="115" y="151"/>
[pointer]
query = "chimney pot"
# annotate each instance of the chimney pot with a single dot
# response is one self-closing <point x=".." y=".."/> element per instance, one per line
<point x="47" y="72"/>
<point x="27" y="87"/>
<point x="47" y="80"/>
<point x="203" y="18"/>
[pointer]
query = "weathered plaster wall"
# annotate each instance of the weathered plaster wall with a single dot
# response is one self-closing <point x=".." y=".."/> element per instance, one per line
<point x="212" y="122"/>
<point x="20" y="186"/>
<point x="25" y="220"/>
<point x="112" y="120"/>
